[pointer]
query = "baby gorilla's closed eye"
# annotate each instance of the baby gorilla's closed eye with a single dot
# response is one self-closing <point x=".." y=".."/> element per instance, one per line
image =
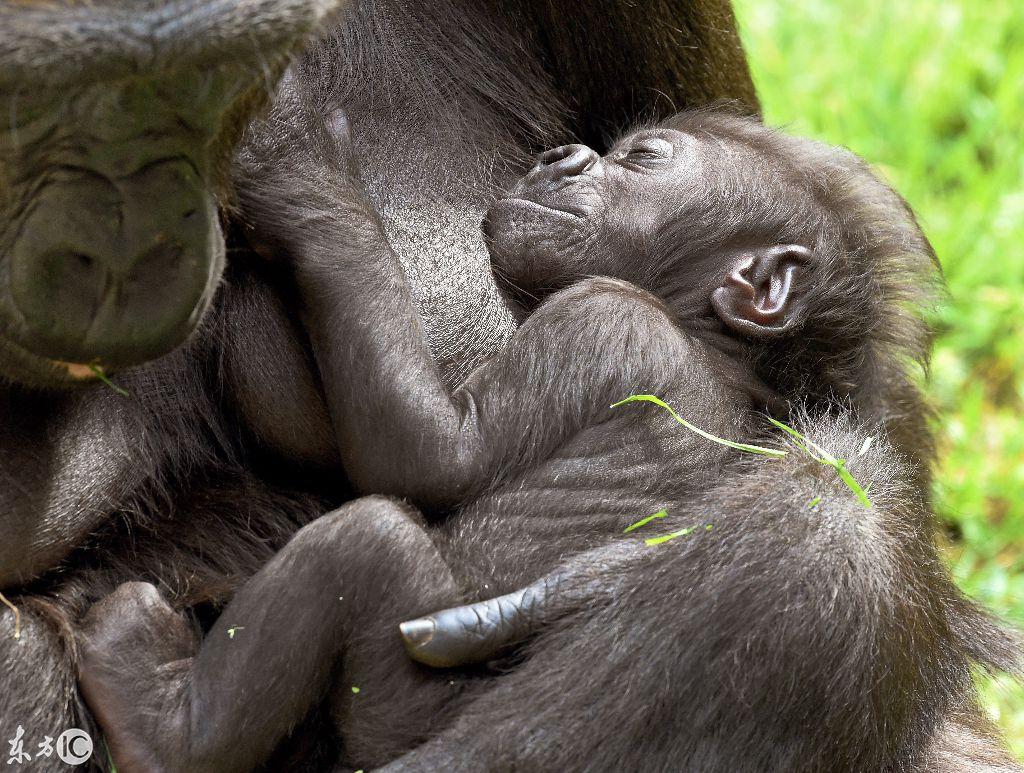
<point x="648" y="149"/>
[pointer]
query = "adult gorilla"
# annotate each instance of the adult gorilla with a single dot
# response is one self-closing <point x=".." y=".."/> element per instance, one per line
<point x="223" y="449"/>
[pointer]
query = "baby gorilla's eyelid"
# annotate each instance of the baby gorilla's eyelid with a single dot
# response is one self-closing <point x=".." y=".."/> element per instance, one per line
<point x="654" y="145"/>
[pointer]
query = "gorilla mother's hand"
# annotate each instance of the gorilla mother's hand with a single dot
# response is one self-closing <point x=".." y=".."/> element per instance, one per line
<point x="303" y="179"/>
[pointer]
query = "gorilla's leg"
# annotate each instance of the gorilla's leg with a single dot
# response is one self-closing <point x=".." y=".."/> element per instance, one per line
<point x="38" y="691"/>
<point x="168" y="705"/>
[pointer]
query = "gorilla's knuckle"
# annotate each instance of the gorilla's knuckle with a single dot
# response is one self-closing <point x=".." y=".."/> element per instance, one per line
<point x="608" y="298"/>
<point x="376" y="523"/>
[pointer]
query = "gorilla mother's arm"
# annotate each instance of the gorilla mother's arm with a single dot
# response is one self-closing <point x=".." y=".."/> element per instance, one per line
<point x="398" y="429"/>
<point x="787" y="637"/>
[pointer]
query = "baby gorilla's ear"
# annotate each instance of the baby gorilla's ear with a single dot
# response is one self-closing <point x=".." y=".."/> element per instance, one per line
<point x="756" y="299"/>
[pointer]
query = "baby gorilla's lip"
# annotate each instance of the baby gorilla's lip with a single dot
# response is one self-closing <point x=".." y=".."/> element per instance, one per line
<point x="519" y="199"/>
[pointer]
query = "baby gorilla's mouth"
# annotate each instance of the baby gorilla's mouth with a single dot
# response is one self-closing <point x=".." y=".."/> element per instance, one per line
<point x="520" y="201"/>
<point x="513" y="217"/>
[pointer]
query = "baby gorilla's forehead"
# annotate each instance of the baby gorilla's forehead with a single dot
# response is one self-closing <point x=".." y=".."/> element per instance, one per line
<point x="734" y="171"/>
<point x="722" y="191"/>
<point x="740" y="153"/>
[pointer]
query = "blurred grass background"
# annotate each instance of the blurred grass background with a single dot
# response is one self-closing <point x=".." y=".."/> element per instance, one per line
<point x="932" y="93"/>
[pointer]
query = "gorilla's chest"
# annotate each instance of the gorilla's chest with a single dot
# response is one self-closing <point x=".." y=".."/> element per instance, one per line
<point x="432" y="203"/>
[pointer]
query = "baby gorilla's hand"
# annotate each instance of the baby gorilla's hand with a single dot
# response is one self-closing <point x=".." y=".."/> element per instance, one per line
<point x="301" y="199"/>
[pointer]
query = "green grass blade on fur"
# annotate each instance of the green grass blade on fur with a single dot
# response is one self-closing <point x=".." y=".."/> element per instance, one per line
<point x="669" y="536"/>
<point x="672" y="535"/>
<point x="102" y="376"/>
<point x="852" y="484"/>
<point x="645" y="521"/>
<point x="752" y="449"/>
<point x="819" y="454"/>
<point x="823" y="456"/>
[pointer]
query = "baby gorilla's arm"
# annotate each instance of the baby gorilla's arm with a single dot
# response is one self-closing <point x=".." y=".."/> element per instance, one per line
<point x="399" y="430"/>
<point x="334" y="594"/>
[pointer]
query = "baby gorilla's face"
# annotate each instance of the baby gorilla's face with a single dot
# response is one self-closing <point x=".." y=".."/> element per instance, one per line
<point x="577" y="213"/>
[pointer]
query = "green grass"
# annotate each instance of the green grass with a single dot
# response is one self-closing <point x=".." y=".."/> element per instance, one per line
<point x="933" y="95"/>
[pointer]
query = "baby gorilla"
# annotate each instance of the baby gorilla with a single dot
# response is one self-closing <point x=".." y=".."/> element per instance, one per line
<point x="738" y="271"/>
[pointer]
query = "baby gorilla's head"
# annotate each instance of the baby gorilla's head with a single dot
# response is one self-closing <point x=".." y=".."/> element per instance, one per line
<point x="661" y="196"/>
<point x="787" y="248"/>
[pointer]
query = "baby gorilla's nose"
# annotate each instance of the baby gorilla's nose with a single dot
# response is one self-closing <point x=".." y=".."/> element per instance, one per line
<point x="566" y="161"/>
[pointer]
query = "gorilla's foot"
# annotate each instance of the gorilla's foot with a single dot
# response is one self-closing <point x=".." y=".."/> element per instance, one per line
<point x="134" y="652"/>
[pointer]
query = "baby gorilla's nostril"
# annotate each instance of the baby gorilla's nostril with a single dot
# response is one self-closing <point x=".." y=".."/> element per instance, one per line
<point x="555" y="154"/>
<point x="568" y="160"/>
<point x="83" y="260"/>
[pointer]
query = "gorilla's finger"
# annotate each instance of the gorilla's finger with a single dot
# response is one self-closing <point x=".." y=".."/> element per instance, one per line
<point x="477" y="632"/>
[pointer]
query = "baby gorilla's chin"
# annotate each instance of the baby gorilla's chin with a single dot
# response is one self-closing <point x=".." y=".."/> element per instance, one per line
<point x="522" y="238"/>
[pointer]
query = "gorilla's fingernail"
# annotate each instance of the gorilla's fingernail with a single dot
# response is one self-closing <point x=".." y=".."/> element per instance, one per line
<point x="418" y="632"/>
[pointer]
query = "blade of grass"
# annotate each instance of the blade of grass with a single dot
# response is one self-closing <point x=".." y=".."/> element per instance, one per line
<point x="645" y="521"/>
<point x="669" y="536"/>
<point x="98" y="372"/>
<point x="672" y="535"/>
<point x="752" y="449"/>
<point x="823" y="456"/>
<point x="852" y="483"/>
<point x="17" y="615"/>
<point x="809" y="447"/>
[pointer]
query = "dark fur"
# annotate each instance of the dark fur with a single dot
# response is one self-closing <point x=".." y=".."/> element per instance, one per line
<point x="223" y="450"/>
<point x="791" y="636"/>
